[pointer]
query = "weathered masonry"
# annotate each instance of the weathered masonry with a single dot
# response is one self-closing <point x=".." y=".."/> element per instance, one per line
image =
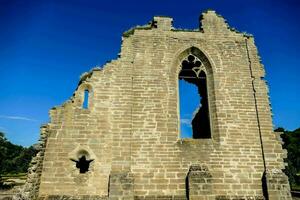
<point x="118" y="137"/>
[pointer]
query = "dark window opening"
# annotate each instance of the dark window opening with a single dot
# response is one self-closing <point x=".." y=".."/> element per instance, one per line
<point x="82" y="164"/>
<point x="192" y="72"/>
<point x="85" y="104"/>
<point x="154" y="24"/>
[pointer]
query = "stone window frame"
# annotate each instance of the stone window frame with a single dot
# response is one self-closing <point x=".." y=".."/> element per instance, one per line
<point x="209" y="70"/>
<point x="80" y="93"/>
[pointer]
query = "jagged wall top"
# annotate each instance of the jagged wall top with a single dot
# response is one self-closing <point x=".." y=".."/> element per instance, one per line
<point x="209" y="22"/>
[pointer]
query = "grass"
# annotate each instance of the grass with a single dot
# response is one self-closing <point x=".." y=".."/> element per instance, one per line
<point x="295" y="187"/>
<point x="10" y="180"/>
<point x="17" y="175"/>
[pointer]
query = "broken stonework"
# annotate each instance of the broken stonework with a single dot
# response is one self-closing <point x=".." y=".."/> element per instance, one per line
<point x="121" y="186"/>
<point x="199" y="183"/>
<point x="31" y="188"/>
<point x="124" y="143"/>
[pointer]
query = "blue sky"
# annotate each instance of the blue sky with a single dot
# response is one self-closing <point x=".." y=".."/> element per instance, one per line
<point x="46" y="45"/>
<point x="189" y="100"/>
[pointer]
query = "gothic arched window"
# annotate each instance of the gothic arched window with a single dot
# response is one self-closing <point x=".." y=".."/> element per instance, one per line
<point x="193" y="95"/>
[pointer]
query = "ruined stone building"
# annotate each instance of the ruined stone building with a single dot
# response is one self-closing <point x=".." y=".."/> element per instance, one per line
<point x="118" y="137"/>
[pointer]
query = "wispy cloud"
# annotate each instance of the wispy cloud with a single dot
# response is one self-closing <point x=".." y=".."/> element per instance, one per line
<point x="185" y="121"/>
<point x="18" y="118"/>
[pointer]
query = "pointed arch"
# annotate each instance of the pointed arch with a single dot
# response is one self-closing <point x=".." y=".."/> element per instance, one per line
<point x="194" y="66"/>
<point x="201" y="55"/>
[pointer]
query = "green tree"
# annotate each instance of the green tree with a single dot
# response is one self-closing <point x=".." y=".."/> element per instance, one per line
<point x="3" y="153"/>
<point x="291" y="141"/>
<point x="14" y="159"/>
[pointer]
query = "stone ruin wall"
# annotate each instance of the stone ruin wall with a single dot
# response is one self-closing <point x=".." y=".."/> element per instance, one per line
<point x="131" y="127"/>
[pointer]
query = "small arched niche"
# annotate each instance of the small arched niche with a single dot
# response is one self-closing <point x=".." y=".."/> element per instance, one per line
<point x="194" y="107"/>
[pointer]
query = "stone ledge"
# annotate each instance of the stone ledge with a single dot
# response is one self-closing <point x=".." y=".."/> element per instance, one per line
<point x="160" y="197"/>
<point x="240" y="198"/>
<point x="67" y="197"/>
